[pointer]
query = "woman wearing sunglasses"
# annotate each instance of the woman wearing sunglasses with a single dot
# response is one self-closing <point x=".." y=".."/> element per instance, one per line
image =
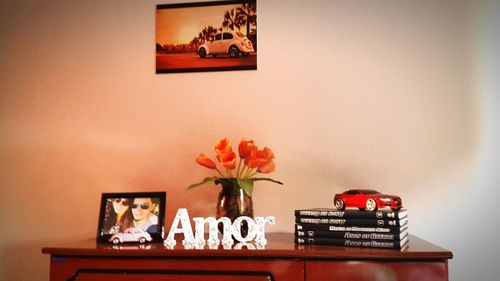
<point x="117" y="217"/>
<point x="144" y="218"/>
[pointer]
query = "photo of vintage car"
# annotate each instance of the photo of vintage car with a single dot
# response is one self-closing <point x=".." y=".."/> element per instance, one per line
<point x="366" y="199"/>
<point x="131" y="235"/>
<point x="232" y="43"/>
<point x="206" y="36"/>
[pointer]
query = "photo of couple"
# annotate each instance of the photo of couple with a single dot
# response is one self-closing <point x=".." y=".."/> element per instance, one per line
<point x="140" y="210"/>
<point x="123" y="213"/>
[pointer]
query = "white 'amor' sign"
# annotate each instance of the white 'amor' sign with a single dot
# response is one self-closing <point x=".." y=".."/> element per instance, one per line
<point x="256" y="229"/>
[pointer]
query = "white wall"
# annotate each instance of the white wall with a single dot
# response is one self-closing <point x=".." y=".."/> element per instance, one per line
<point x="394" y="95"/>
<point x="474" y="235"/>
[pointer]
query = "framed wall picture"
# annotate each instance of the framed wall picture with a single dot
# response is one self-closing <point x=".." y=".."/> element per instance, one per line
<point x="206" y="36"/>
<point x="124" y="213"/>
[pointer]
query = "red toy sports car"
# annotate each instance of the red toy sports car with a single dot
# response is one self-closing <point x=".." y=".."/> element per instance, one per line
<point x="367" y="199"/>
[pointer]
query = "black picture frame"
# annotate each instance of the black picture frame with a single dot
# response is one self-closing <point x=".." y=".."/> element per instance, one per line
<point x="182" y="28"/>
<point x="108" y="224"/>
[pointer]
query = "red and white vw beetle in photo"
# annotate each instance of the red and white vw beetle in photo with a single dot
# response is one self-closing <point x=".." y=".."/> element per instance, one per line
<point x="131" y="235"/>
<point x="232" y="43"/>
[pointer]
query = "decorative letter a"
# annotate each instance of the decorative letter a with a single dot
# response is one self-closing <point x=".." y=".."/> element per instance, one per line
<point x="182" y="216"/>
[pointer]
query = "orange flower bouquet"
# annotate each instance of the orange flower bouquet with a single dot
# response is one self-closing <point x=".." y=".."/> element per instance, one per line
<point x="240" y="173"/>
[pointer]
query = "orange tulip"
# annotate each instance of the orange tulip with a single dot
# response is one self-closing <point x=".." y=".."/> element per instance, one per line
<point x="228" y="160"/>
<point x="222" y="146"/>
<point x="267" y="168"/>
<point x="245" y="148"/>
<point x="259" y="158"/>
<point x="205" y="161"/>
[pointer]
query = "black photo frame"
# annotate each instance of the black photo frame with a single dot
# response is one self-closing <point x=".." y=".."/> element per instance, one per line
<point x="206" y="36"/>
<point x="111" y="223"/>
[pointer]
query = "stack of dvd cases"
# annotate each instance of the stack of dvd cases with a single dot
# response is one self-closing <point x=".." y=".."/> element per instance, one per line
<point x="354" y="228"/>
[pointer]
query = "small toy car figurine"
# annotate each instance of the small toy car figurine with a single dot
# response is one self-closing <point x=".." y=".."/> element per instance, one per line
<point x="131" y="235"/>
<point x="363" y="199"/>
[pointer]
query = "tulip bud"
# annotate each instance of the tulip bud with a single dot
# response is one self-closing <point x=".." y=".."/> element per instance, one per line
<point x="205" y="161"/>
<point x="221" y="147"/>
<point x="245" y="148"/>
<point x="228" y="160"/>
<point x="259" y="158"/>
<point x="267" y="168"/>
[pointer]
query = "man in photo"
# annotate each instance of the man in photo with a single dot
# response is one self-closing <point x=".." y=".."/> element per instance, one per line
<point x="143" y="214"/>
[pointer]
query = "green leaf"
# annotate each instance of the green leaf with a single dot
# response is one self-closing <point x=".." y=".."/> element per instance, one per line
<point x="206" y="180"/>
<point x="246" y="185"/>
<point x="226" y="181"/>
<point x="266" y="179"/>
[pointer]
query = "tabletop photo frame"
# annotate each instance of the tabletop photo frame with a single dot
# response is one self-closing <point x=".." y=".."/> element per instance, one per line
<point x="120" y="212"/>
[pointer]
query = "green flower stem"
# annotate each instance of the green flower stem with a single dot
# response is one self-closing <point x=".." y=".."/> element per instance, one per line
<point x="252" y="174"/>
<point x="219" y="172"/>
<point x="242" y="172"/>
<point x="250" y="171"/>
<point x="238" y="170"/>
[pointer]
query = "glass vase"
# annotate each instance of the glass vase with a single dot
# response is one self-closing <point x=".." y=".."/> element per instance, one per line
<point x="233" y="202"/>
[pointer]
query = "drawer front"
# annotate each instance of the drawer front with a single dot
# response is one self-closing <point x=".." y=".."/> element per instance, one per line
<point x="166" y="275"/>
<point x="169" y="269"/>
<point x="376" y="270"/>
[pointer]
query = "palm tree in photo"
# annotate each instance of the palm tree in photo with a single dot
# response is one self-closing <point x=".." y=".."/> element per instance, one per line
<point x="211" y="31"/>
<point x="232" y="20"/>
<point x="159" y="48"/>
<point x="195" y="42"/>
<point x="201" y="37"/>
<point x="248" y="12"/>
<point x="207" y="33"/>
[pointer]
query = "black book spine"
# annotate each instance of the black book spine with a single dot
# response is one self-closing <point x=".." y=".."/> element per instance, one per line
<point x="336" y="228"/>
<point x="352" y="242"/>
<point x="333" y="213"/>
<point x="349" y="235"/>
<point x="349" y="221"/>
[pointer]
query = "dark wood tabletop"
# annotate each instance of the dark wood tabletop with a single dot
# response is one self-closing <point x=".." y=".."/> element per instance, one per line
<point x="280" y="245"/>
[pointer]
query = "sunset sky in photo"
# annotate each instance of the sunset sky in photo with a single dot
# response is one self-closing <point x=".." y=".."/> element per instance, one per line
<point x="181" y="25"/>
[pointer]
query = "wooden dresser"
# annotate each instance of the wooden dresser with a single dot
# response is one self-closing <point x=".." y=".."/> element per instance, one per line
<point x="280" y="260"/>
